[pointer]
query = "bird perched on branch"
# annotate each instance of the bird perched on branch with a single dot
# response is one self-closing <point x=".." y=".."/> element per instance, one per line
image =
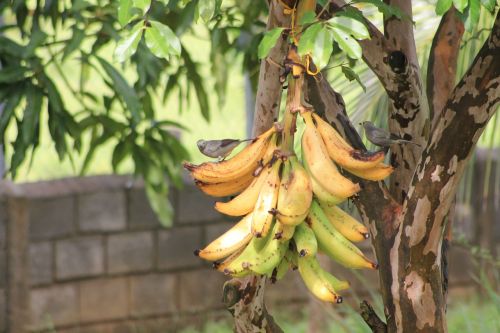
<point x="382" y="138"/>
<point x="218" y="148"/>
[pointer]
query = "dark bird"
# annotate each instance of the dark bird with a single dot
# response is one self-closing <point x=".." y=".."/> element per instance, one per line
<point x="218" y="148"/>
<point x="382" y="138"/>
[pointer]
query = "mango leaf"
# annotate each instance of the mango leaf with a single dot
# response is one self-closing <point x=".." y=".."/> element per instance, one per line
<point x="123" y="89"/>
<point x="162" y="41"/>
<point x="442" y="6"/>
<point x="351" y="12"/>
<point x="122" y="149"/>
<point x="196" y="80"/>
<point x="460" y="5"/>
<point x="34" y="98"/>
<point x="386" y="9"/>
<point x="307" y="17"/>
<point x="124" y="12"/>
<point x="472" y="15"/>
<point x="350" y="74"/>
<point x="74" y="43"/>
<point x="158" y="199"/>
<point x="268" y="42"/>
<point x="127" y="46"/>
<point x="323" y="47"/>
<point x="206" y="9"/>
<point x="308" y="38"/>
<point x="348" y="44"/>
<point x="13" y="74"/>
<point x="351" y="26"/>
<point x="143" y="5"/>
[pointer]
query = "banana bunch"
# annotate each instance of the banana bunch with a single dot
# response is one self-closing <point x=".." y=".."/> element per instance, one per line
<point x="288" y="207"/>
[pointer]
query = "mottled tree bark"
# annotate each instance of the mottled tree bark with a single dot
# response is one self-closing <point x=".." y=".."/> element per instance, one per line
<point x="415" y="256"/>
<point x="244" y="297"/>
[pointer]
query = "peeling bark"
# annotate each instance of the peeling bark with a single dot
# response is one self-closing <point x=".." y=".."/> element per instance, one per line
<point x="244" y="298"/>
<point x="442" y="66"/>
<point x="417" y="287"/>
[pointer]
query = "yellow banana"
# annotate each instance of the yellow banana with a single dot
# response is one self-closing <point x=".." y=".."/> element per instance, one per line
<point x="320" y="165"/>
<point x="319" y="191"/>
<point x="243" y="163"/>
<point x="378" y="172"/>
<point x="284" y="232"/>
<point x="333" y="243"/>
<point x="230" y="241"/>
<point x="305" y="241"/>
<point x="342" y="153"/>
<point x="226" y="188"/>
<point x="295" y="194"/>
<point x="313" y="277"/>
<point x="260" y="261"/>
<point x="266" y="202"/>
<point x="244" y="203"/>
<point x="347" y="225"/>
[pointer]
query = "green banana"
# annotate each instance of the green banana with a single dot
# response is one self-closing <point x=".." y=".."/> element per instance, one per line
<point x="305" y="240"/>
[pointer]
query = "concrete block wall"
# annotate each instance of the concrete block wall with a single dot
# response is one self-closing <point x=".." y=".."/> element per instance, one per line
<point x="89" y="255"/>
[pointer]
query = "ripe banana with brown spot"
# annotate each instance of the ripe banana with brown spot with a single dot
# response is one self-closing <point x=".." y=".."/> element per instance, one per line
<point x="295" y="194"/>
<point x="343" y="153"/>
<point x="378" y="172"/>
<point x="305" y="241"/>
<point x="243" y="163"/>
<point x="235" y="238"/>
<point x="266" y="202"/>
<point x="321" y="166"/>
<point x="225" y="188"/>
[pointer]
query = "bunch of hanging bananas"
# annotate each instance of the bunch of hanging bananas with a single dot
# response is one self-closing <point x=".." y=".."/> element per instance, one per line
<point x="289" y="209"/>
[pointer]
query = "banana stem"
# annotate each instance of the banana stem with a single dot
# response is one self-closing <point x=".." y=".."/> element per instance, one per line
<point x="293" y="105"/>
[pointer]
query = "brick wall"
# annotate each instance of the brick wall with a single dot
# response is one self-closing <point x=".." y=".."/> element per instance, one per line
<point x="88" y="255"/>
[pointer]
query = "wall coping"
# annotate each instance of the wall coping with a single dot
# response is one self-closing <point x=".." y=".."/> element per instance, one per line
<point x="68" y="186"/>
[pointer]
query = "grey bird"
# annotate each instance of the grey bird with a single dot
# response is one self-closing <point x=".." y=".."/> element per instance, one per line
<point x="382" y="138"/>
<point x="218" y="148"/>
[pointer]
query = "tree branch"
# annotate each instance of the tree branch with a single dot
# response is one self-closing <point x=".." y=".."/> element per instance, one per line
<point x="417" y="288"/>
<point x="443" y="58"/>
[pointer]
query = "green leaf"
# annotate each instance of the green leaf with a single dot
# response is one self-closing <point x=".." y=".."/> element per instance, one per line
<point x="268" y="42"/>
<point x="158" y="199"/>
<point x="460" y="5"/>
<point x="442" y="6"/>
<point x="74" y="43"/>
<point x="122" y="149"/>
<point x="308" y="17"/>
<point x="353" y="13"/>
<point x="53" y="93"/>
<point x="348" y="44"/>
<point x="197" y="81"/>
<point x="323" y="47"/>
<point x="143" y="5"/>
<point x="489" y="5"/>
<point x="34" y="98"/>
<point x="206" y="9"/>
<point x="127" y="46"/>
<point x="124" y="13"/>
<point x="386" y="9"/>
<point x="472" y="15"/>
<point x="353" y="27"/>
<point x="350" y="74"/>
<point x="162" y="41"/>
<point x="10" y="47"/>
<point x="8" y="111"/>
<point x="13" y="74"/>
<point x="308" y="38"/>
<point x="126" y="92"/>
